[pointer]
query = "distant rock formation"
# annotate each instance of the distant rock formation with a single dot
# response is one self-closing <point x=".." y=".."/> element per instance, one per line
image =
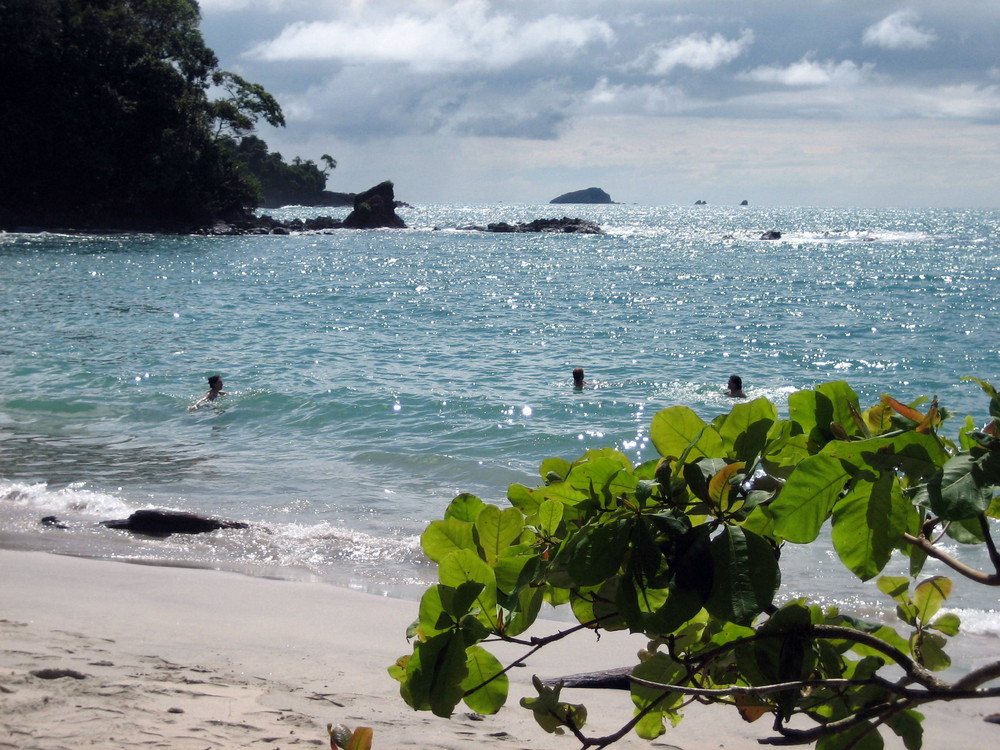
<point x="589" y="195"/>
<point x="565" y="225"/>
<point x="744" y="202"/>
<point x="701" y="203"/>
<point x="771" y="234"/>
<point x="375" y="208"/>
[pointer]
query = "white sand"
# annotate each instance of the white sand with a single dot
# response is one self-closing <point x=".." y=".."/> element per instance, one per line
<point x="186" y="658"/>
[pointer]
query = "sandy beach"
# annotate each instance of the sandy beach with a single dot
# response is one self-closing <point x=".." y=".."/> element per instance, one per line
<point x="167" y="657"/>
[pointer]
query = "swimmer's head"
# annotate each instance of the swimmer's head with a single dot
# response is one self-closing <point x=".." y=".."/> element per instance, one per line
<point x="578" y="377"/>
<point x="215" y="382"/>
<point x="735" y="383"/>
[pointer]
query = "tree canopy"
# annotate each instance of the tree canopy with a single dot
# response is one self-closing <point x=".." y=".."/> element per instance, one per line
<point x="109" y="119"/>
<point x="279" y="183"/>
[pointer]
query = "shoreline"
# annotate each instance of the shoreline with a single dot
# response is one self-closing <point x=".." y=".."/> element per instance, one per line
<point x="188" y="657"/>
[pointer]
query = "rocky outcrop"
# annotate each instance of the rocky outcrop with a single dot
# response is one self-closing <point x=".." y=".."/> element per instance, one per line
<point x="744" y="202"/>
<point x="163" y="523"/>
<point x="700" y="203"/>
<point x="589" y="195"/>
<point x="375" y="208"/>
<point x="771" y="234"/>
<point x="565" y="225"/>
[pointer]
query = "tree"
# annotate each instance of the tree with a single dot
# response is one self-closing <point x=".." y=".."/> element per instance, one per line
<point x="107" y="120"/>
<point x="686" y="550"/>
<point x="279" y="183"/>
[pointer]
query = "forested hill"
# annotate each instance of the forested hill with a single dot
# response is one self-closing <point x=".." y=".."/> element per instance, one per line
<point x="116" y="115"/>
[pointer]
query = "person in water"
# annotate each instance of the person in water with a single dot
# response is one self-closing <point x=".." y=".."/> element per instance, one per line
<point x="735" y="387"/>
<point x="214" y="391"/>
<point x="578" y="382"/>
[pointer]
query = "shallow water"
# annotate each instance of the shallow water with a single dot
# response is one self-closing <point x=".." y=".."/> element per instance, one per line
<point x="374" y="375"/>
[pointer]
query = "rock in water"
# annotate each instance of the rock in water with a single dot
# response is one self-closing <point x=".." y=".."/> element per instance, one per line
<point x="565" y="225"/>
<point x="375" y="208"/>
<point x="771" y="234"/>
<point x="163" y="523"/>
<point x="589" y="195"/>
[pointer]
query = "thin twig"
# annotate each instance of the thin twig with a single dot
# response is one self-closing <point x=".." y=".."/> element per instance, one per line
<point x="922" y="543"/>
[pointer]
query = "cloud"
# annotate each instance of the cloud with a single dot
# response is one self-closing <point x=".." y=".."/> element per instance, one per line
<point x="460" y="37"/>
<point x="809" y="72"/>
<point x="898" y="31"/>
<point x="405" y="106"/>
<point x="223" y="6"/>
<point x="699" y="52"/>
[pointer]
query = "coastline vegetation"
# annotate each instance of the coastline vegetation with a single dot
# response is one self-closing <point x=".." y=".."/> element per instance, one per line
<point x="686" y="550"/>
<point x="117" y="116"/>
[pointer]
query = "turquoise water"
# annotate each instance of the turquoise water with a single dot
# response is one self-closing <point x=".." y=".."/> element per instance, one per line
<point x="374" y="375"/>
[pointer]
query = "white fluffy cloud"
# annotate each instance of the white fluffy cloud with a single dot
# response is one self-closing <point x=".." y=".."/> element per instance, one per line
<point x="809" y="72"/>
<point x="466" y="35"/>
<point x="898" y="31"/>
<point x="699" y="52"/>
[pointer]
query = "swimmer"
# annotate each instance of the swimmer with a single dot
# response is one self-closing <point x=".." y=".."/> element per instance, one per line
<point x="735" y="387"/>
<point x="578" y="382"/>
<point x="214" y="391"/>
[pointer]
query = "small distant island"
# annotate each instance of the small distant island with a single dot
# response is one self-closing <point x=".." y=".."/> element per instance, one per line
<point x="588" y="195"/>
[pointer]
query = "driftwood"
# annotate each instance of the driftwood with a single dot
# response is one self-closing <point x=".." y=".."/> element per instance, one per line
<point x="608" y="679"/>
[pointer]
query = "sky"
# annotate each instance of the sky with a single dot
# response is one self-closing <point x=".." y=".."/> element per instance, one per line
<point x="847" y="103"/>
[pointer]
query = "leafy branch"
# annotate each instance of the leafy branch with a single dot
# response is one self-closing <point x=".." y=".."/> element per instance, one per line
<point x="685" y="549"/>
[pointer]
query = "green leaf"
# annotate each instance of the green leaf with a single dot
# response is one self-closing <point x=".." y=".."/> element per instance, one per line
<point x="441" y="538"/>
<point x="465" y="507"/>
<point x="496" y="530"/>
<point x="907" y="726"/>
<point x="807" y="498"/>
<point x="465" y="565"/>
<point x="929" y="595"/>
<point x="929" y="650"/>
<point x="515" y="563"/>
<point x="722" y="484"/>
<point x="868" y="523"/>
<point x="554" y="466"/>
<point x="485" y="679"/>
<point x="660" y="668"/>
<point x="783" y="657"/>
<point x="745" y="429"/>
<point x="948" y="624"/>
<point x="435" y="673"/>
<point x="551" y="713"/>
<point x="784" y="453"/>
<point x="817" y="410"/>
<point x="919" y="455"/>
<point x="523" y="616"/>
<point x="861" y="737"/>
<point x="433" y="618"/>
<point x="956" y="493"/>
<point x="677" y="429"/>
<point x="745" y="576"/>
<point x="965" y="439"/>
<point x="550" y="515"/>
<point x="524" y="499"/>
<point x="895" y="586"/>
<point x="599" y="554"/>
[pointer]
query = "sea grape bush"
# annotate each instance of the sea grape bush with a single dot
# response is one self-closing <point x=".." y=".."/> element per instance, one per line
<point x="686" y="549"/>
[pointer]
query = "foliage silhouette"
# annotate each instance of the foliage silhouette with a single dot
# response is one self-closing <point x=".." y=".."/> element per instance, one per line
<point x="686" y="550"/>
<point x="110" y="122"/>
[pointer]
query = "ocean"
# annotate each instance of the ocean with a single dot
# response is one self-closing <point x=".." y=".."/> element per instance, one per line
<point x="372" y="376"/>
